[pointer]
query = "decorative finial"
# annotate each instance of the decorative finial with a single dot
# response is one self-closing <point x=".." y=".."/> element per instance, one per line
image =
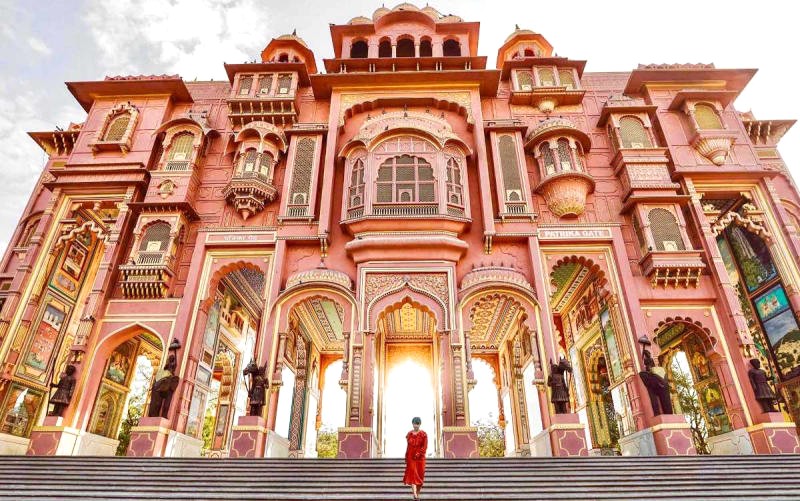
<point x="294" y="32"/>
<point x="516" y="27"/>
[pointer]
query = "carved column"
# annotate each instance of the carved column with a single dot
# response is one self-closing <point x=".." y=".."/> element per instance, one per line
<point x="357" y="439"/>
<point x="459" y="439"/>
<point x="518" y="386"/>
<point x="297" y="420"/>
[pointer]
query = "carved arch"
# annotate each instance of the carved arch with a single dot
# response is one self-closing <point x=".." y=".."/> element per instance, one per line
<point x="407" y="293"/>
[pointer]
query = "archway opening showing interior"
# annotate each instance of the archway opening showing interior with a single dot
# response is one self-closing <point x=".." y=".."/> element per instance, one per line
<point x="484" y="410"/>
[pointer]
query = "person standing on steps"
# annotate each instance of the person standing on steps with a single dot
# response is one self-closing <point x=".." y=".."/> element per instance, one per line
<point x="417" y="441"/>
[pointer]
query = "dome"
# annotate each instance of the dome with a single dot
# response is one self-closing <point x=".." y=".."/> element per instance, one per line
<point x="553" y="126"/>
<point x="406" y="6"/>
<point x="379" y="13"/>
<point x="431" y="12"/>
<point x="360" y="20"/>
<point x="518" y="32"/>
<point x="293" y="36"/>
<point x="450" y="18"/>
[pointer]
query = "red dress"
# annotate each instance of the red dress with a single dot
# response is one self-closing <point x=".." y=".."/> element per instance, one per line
<point x="415" y="458"/>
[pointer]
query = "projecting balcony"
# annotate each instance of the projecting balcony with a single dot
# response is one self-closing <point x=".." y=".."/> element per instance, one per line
<point x="249" y="192"/>
<point x="277" y="110"/>
<point x="415" y="216"/>
<point x="147" y="277"/>
<point x="675" y="268"/>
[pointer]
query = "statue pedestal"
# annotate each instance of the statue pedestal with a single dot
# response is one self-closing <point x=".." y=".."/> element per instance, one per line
<point x="149" y="438"/>
<point x="249" y="437"/>
<point x="773" y="435"/>
<point x="459" y="442"/>
<point x="672" y="435"/>
<point x="567" y="435"/>
<point x="53" y="438"/>
<point x="356" y="443"/>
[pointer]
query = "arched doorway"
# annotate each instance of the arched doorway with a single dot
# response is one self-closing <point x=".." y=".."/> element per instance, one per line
<point x="484" y="409"/>
<point x="686" y="355"/>
<point x="408" y="382"/>
<point x="124" y="391"/>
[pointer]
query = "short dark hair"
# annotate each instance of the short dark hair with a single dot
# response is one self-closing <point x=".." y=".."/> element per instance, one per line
<point x="416" y="420"/>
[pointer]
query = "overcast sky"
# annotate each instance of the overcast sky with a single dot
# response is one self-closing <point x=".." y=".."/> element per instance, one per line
<point x="43" y="44"/>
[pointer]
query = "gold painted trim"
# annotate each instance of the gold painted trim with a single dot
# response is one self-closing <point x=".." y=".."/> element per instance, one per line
<point x="669" y="426"/>
<point x="459" y="428"/>
<point x="566" y="426"/>
<point x="355" y="429"/>
<point x="260" y="429"/>
<point x="63" y="429"/>
<point x="147" y="429"/>
<point x="764" y="426"/>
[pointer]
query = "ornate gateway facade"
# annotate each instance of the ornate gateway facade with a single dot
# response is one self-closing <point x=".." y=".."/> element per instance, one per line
<point x="616" y="247"/>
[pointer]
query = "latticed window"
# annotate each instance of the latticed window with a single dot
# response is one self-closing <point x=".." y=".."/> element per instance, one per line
<point x="356" y="190"/>
<point x="633" y="133"/>
<point x="665" y="230"/>
<point x="455" y="190"/>
<point x="546" y="77"/>
<point x="405" y="179"/>
<point x="706" y="117"/>
<point x="284" y="84"/>
<point x="244" y="85"/>
<point x="509" y="165"/>
<point x="117" y="128"/>
<point x="546" y="159"/>
<point x="181" y="148"/>
<point x="301" y="173"/>
<point x="265" y="84"/>
<point x="155" y="240"/>
<point x="525" y="80"/>
<point x="567" y="79"/>
<point x="564" y="154"/>
<point x="265" y="166"/>
<point x="579" y="157"/>
<point x="249" y="160"/>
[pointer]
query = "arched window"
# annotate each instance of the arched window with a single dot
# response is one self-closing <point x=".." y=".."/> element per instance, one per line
<point x="528" y="53"/>
<point x="265" y="84"/>
<point x="117" y="127"/>
<point x="249" y="160"/>
<point x="265" y="166"/>
<point x="546" y="77"/>
<point x="405" y="47"/>
<point x="180" y="152"/>
<point x="567" y="79"/>
<point x="425" y="48"/>
<point x="27" y="233"/>
<point x="301" y="173"/>
<point x="455" y="193"/>
<point x="154" y="241"/>
<point x="359" y="49"/>
<point x="385" y="48"/>
<point x="665" y="230"/>
<point x="283" y="58"/>
<point x="564" y="156"/>
<point x="706" y="117"/>
<point x="405" y="179"/>
<point x="356" y="194"/>
<point x="633" y="133"/>
<point x="579" y="157"/>
<point x="525" y="80"/>
<point x="244" y="85"/>
<point x="546" y="159"/>
<point x="451" y="48"/>
<point x="510" y="168"/>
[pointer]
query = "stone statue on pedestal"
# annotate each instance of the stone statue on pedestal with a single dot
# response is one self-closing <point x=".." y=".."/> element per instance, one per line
<point x="657" y="386"/>
<point x="256" y="389"/>
<point x="760" y="383"/>
<point x="165" y="385"/>
<point x="559" y="391"/>
<point x="63" y="394"/>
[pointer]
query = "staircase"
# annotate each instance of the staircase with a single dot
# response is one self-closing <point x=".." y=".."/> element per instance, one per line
<point x="685" y="478"/>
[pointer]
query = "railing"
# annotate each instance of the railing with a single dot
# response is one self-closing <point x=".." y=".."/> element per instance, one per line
<point x="355" y="213"/>
<point x="297" y="211"/>
<point x="178" y="165"/>
<point x="252" y="175"/>
<point x="150" y="258"/>
<point x="405" y="210"/>
<point x="454" y="210"/>
<point x="516" y="208"/>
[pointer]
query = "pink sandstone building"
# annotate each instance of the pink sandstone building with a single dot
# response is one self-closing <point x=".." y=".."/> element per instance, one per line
<point x="408" y="203"/>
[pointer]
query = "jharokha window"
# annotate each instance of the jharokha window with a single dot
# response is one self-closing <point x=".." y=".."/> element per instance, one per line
<point x="154" y="244"/>
<point x="405" y="179"/>
<point x="706" y="117"/>
<point x="180" y="152"/>
<point x="561" y="155"/>
<point x="117" y="127"/>
<point x="356" y="191"/>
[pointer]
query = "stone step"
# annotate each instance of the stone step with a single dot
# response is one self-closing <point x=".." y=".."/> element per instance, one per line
<point x="693" y="478"/>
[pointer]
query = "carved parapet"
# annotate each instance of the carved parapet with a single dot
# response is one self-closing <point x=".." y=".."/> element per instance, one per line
<point x="673" y="268"/>
<point x="496" y="274"/>
<point x="145" y="281"/>
<point x="547" y="98"/>
<point x="249" y="192"/>
<point x="323" y="275"/>
<point x="715" y="145"/>
<point x="565" y="192"/>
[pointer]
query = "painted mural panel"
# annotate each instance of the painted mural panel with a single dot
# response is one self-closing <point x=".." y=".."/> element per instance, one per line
<point x="782" y="330"/>
<point x="20" y="410"/>
<point x="108" y="411"/>
<point x="42" y="345"/>
<point x="212" y="326"/>
<point x="753" y="257"/>
<point x="610" y="340"/>
<point x="72" y="264"/>
<point x="121" y="362"/>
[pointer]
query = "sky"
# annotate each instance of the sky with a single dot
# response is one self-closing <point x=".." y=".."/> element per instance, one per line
<point x="44" y="44"/>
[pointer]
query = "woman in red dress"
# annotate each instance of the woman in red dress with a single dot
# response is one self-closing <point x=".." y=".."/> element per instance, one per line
<point x="415" y="457"/>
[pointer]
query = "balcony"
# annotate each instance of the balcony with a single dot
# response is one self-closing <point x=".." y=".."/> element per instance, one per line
<point x="678" y="268"/>
<point x="249" y="192"/>
<point x="148" y="277"/>
<point x="265" y="97"/>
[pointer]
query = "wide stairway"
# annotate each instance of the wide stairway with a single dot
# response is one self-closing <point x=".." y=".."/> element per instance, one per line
<point x="646" y="478"/>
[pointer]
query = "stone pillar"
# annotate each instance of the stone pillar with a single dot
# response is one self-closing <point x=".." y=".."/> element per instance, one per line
<point x="149" y="438"/>
<point x="249" y="437"/>
<point x="296" y="427"/>
<point x="459" y="440"/>
<point x="357" y="439"/>
<point x="567" y="435"/>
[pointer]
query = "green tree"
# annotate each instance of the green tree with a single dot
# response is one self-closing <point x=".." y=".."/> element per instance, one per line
<point x="491" y="439"/>
<point x="131" y="420"/>
<point x="690" y="406"/>
<point x="327" y="443"/>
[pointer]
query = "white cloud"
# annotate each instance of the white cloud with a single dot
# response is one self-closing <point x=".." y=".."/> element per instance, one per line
<point x="188" y="37"/>
<point x="39" y="46"/>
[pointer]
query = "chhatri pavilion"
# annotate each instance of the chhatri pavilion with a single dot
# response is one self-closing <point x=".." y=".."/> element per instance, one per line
<point x="208" y="268"/>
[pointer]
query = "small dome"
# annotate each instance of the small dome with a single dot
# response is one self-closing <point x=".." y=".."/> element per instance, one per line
<point x="406" y="6"/>
<point x="292" y="36"/>
<point x="379" y="13"/>
<point x="552" y="126"/>
<point x="435" y="15"/>
<point x="360" y="20"/>
<point x="517" y="32"/>
<point x="450" y="18"/>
